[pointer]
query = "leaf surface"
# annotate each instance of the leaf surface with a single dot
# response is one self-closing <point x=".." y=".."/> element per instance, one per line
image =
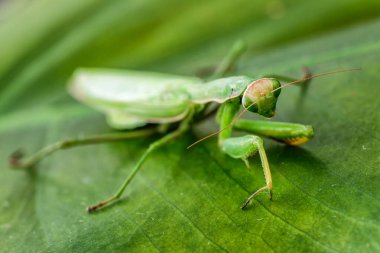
<point x="326" y="194"/>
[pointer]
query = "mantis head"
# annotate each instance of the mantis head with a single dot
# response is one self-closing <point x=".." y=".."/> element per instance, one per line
<point x="261" y="96"/>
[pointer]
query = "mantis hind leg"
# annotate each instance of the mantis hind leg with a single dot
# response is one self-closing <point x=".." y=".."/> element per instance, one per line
<point x="288" y="133"/>
<point x="18" y="161"/>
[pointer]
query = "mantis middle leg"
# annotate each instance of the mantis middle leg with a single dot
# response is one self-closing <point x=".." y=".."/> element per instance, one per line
<point x="227" y="64"/>
<point x="229" y="60"/>
<point x="184" y="126"/>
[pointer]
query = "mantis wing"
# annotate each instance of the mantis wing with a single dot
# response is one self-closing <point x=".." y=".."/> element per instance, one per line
<point x="132" y="98"/>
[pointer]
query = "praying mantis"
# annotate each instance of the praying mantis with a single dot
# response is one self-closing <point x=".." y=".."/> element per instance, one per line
<point x="136" y="100"/>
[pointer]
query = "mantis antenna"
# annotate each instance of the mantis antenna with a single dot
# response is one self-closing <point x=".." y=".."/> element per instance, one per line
<point x="281" y="87"/>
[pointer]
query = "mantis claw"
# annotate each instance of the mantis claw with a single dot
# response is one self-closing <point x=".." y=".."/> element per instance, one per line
<point x="245" y="205"/>
<point x="91" y="209"/>
<point x="15" y="159"/>
<point x="94" y="208"/>
<point x="249" y="200"/>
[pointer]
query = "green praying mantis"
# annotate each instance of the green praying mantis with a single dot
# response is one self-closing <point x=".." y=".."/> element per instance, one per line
<point x="135" y="101"/>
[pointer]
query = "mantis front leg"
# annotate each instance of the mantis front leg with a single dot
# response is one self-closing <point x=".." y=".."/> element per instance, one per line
<point x="242" y="147"/>
<point x="288" y="133"/>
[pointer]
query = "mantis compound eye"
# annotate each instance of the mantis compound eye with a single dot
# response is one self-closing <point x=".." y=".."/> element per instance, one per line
<point x="261" y="93"/>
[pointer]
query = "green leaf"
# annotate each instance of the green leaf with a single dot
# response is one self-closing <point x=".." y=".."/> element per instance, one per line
<point x="325" y="193"/>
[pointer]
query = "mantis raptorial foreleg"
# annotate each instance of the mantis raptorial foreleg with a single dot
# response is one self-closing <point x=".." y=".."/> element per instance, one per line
<point x="289" y="133"/>
<point x="183" y="127"/>
<point x="242" y="147"/>
<point x="17" y="161"/>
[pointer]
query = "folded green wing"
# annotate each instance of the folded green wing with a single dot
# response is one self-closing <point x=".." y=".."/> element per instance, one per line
<point x="133" y="98"/>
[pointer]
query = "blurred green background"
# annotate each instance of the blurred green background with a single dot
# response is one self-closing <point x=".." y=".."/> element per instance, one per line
<point x="326" y="193"/>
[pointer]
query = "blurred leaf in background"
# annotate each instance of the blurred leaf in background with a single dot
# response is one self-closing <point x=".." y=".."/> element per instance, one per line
<point x="326" y="192"/>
